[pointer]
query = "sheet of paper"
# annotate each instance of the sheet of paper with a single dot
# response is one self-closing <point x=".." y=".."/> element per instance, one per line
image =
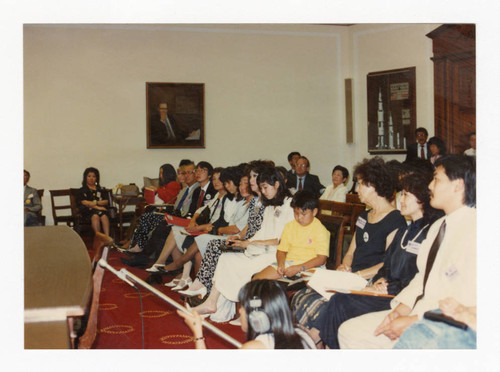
<point x="338" y="280"/>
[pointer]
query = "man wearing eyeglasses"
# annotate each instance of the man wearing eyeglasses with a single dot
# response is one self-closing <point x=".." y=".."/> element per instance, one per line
<point x="421" y="148"/>
<point x="303" y="180"/>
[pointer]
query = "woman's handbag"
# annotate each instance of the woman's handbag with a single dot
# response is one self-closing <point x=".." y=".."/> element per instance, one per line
<point x="129" y="190"/>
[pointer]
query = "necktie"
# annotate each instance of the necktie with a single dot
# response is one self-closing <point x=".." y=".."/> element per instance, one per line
<point x="300" y="183"/>
<point x="182" y="199"/>
<point x="170" y="132"/>
<point x="422" y="154"/>
<point x="200" y="199"/>
<point x="432" y="256"/>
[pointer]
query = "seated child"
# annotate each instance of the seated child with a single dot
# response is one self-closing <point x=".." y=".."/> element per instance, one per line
<point x="304" y="243"/>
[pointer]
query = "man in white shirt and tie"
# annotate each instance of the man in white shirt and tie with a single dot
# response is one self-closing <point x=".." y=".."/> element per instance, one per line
<point x="421" y="148"/>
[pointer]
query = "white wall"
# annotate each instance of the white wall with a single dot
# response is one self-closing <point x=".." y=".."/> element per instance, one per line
<point x="269" y="89"/>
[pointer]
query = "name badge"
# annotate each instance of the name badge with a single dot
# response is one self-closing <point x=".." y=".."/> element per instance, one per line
<point x="361" y="222"/>
<point x="452" y="272"/>
<point x="413" y="247"/>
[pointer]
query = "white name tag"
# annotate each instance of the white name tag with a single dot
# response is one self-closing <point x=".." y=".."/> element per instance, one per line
<point x="413" y="247"/>
<point x="361" y="222"/>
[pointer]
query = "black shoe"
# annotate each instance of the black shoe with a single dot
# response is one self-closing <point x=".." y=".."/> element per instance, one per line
<point x="195" y="300"/>
<point x="136" y="261"/>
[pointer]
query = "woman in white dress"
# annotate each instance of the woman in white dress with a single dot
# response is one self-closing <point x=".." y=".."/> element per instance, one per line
<point x="336" y="191"/>
<point x="235" y="269"/>
<point x="265" y="318"/>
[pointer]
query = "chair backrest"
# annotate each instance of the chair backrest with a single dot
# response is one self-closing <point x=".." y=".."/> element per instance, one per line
<point x="64" y="194"/>
<point x="41" y="218"/>
<point x="350" y="212"/>
<point x="325" y="207"/>
<point x="335" y="225"/>
<point x="352" y="198"/>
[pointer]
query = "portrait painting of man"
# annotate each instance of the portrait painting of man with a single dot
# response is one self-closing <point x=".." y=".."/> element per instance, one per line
<point x="175" y="115"/>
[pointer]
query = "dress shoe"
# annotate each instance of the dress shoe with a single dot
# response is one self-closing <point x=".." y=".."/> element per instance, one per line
<point x="155" y="268"/>
<point x="199" y="292"/>
<point x="183" y="285"/>
<point x="173" y="283"/>
<point x="195" y="301"/>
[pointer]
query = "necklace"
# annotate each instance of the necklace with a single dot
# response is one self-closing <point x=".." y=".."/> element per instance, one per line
<point x="413" y="240"/>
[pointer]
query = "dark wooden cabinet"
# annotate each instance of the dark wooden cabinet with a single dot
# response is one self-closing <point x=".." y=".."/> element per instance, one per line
<point x="454" y="57"/>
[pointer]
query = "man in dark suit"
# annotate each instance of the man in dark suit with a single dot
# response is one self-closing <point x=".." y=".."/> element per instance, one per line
<point x="164" y="130"/>
<point x="292" y="159"/>
<point x="303" y="180"/>
<point x="206" y="191"/>
<point x="421" y="148"/>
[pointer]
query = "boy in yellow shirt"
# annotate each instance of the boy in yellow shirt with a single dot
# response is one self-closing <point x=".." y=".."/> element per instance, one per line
<point x="304" y="243"/>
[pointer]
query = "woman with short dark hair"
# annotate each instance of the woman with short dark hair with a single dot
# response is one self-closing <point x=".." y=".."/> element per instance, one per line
<point x="437" y="147"/>
<point x="375" y="231"/>
<point x="92" y="200"/>
<point x="338" y="189"/>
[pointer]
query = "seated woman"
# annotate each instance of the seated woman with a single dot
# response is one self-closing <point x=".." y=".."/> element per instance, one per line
<point x="265" y="318"/>
<point x="167" y="192"/>
<point x="430" y="334"/>
<point x="338" y="190"/>
<point x="375" y="230"/>
<point x="399" y="268"/>
<point x="235" y="212"/>
<point x="235" y="269"/>
<point x="203" y="282"/>
<point x="92" y="201"/>
<point x="180" y="238"/>
<point x="437" y="147"/>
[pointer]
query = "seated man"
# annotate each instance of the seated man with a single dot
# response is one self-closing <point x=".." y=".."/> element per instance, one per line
<point x="304" y="243"/>
<point x="446" y="261"/>
<point x="303" y="180"/>
<point x="32" y="202"/>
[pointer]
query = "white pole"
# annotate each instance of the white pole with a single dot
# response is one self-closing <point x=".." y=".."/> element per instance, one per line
<point x="165" y="298"/>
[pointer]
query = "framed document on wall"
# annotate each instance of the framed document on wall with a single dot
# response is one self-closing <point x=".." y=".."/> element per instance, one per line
<point x="175" y="115"/>
<point x="391" y="110"/>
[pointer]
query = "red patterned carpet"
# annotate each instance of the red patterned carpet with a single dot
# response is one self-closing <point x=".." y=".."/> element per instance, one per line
<point x="119" y="319"/>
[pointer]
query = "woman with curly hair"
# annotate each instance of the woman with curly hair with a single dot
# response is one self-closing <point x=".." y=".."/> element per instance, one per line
<point x="399" y="268"/>
<point x="375" y="230"/>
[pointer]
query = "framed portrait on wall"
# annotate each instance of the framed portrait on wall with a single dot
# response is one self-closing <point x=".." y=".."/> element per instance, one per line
<point x="391" y="110"/>
<point x="175" y="115"/>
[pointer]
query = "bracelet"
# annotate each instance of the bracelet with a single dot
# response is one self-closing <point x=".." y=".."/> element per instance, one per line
<point x="200" y="338"/>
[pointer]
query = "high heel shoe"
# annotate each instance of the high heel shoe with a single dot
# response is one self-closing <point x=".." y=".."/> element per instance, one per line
<point x="183" y="285"/>
<point x="169" y="272"/>
<point x="154" y="268"/>
<point x="173" y="283"/>
<point x="198" y="292"/>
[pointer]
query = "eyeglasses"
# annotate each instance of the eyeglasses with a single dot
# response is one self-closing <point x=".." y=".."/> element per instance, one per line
<point x="421" y="135"/>
<point x="301" y="165"/>
<point x="201" y="170"/>
<point x="181" y="173"/>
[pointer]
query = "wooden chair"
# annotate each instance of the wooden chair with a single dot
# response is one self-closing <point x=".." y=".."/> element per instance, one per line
<point x="350" y="212"/>
<point x="68" y="219"/>
<point x="41" y="218"/>
<point x="335" y="225"/>
<point x="84" y="228"/>
<point x="352" y="198"/>
<point x="325" y="207"/>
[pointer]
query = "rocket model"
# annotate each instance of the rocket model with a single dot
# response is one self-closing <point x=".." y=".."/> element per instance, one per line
<point x="380" y="122"/>
<point x="391" y="132"/>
